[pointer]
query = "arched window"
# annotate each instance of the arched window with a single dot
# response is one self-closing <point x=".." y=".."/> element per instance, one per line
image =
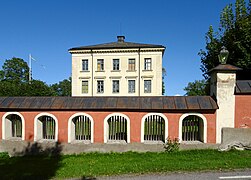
<point x="117" y="128"/>
<point x="154" y="128"/>
<point x="192" y="128"/>
<point x="45" y="127"/>
<point x="13" y="126"/>
<point x="80" y="128"/>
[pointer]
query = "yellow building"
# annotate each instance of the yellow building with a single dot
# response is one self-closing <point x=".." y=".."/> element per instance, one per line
<point x="117" y="69"/>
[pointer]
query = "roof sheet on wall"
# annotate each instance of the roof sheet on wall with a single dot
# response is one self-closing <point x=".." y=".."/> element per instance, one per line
<point x="162" y="103"/>
<point x="243" y="87"/>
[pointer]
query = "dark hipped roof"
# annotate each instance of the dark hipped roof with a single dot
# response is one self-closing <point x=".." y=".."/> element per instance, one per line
<point x="224" y="67"/>
<point x="120" y="44"/>
<point x="243" y="87"/>
<point x="161" y="103"/>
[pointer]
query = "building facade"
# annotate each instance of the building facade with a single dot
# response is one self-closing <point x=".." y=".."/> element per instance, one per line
<point x="117" y="69"/>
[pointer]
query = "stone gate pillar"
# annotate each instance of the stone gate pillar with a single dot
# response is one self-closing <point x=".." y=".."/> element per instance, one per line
<point x="222" y="87"/>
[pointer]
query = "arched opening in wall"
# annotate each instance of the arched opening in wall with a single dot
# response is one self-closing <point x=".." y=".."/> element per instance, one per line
<point x="82" y="128"/>
<point x="117" y="129"/>
<point x="192" y="128"/>
<point x="13" y="127"/>
<point x="154" y="128"/>
<point x="46" y="128"/>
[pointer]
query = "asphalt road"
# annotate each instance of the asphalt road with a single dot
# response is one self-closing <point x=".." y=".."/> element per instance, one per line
<point x="230" y="175"/>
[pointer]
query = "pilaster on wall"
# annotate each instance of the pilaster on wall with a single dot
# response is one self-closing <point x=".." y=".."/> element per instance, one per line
<point x="223" y="80"/>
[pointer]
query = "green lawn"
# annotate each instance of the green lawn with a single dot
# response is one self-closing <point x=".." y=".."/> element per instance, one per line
<point x="98" y="164"/>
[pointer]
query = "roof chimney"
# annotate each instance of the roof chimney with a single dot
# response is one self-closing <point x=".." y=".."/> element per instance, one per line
<point x="121" y="38"/>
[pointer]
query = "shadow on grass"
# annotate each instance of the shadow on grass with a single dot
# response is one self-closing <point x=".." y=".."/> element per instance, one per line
<point x="34" y="162"/>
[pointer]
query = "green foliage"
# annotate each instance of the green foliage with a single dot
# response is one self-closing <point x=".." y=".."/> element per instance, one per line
<point x="63" y="88"/>
<point x="36" y="88"/>
<point x="197" y="88"/>
<point x="234" y="33"/>
<point x="15" y="70"/>
<point x="14" y="81"/>
<point x="172" y="145"/>
<point x="163" y="83"/>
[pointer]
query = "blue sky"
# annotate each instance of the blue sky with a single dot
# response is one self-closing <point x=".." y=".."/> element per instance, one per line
<point x="48" y="28"/>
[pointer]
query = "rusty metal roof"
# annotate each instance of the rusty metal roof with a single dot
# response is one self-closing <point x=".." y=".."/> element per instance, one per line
<point x="161" y="103"/>
<point x="243" y="87"/>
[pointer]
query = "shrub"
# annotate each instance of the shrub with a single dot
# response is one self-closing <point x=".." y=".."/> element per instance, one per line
<point x="172" y="145"/>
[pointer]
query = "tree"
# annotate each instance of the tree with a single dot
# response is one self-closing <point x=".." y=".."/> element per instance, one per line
<point x="63" y="88"/>
<point x="196" y="88"/>
<point x="36" y="88"/>
<point x="234" y="33"/>
<point x="163" y="83"/>
<point x="15" y="70"/>
<point x="14" y="80"/>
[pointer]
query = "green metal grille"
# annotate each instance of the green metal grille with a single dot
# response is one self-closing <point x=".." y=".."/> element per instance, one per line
<point x="82" y="128"/>
<point x="117" y="128"/>
<point x="192" y="129"/>
<point x="49" y="127"/>
<point x="16" y="126"/>
<point x="154" y="128"/>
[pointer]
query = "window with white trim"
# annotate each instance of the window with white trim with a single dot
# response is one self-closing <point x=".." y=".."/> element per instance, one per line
<point x="154" y="128"/>
<point x="131" y="64"/>
<point x="115" y="64"/>
<point x="131" y="86"/>
<point x="192" y="128"/>
<point x="84" y="87"/>
<point x="115" y="86"/>
<point x="46" y="128"/>
<point x="147" y="86"/>
<point x="100" y="86"/>
<point x="82" y="126"/>
<point x="85" y="65"/>
<point x="13" y="126"/>
<point x="117" y="128"/>
<point x="100" y="65"/>
<point x="148" y="64"/>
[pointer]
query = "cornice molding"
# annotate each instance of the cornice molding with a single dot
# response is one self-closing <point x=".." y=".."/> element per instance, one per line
<point x="117" y="51"/>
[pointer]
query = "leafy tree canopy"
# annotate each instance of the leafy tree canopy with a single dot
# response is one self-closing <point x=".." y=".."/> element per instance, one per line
<point x="15" y="70"/>
<point x="14" y="81"/>
<point x="196" y="88"/>
<point x="63" y="88"/>
<point x="234" y="33"/>
<point x="163" y="83"/>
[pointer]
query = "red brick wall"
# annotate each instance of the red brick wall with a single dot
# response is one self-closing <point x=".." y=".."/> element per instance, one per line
<point x="98" y="117"/>
<point x="243" y="111"/>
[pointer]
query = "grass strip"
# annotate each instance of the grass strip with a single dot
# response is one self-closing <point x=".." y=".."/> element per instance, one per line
<point x="99" y="164"/>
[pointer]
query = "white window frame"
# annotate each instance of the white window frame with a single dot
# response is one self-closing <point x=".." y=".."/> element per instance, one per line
<point x="106" y="126"/>
<point x="115" y="86"/>
<point x="36" y="119"/>
<point x="146" y="86"/>
<point x="71" y="129"/>
<point x="100" y="86"/>
<point x="204" y="123"/>
<point x="115" y="65"/>
<point x="131" y="66"/>
<point x="85" y="65"/>
<point x="4" y="129"/>
<point x="147" y="64"/>
<point x="131" y="87"/>
<point x="143" y="125"/>
<point x="100" y="62"/>
<point x="87" y="87"/>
